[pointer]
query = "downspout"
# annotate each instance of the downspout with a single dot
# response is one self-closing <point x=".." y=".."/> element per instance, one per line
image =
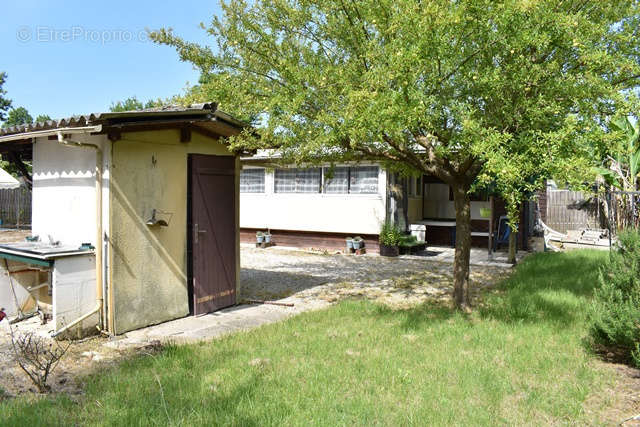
<point x="98" y="245"/>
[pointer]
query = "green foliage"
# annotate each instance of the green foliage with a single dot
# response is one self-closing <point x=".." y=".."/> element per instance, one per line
<point x="390" y="234"/>
<point x="408" y="240"/>
<point x="18" y="116"/>
<point x="477" y="90"/>
<point x="615" y="312"/>
<point x="43" y="118"/>
<point x="623" y="160"/>
<point x="133" y="104"/>
<point x="5" y="103"/>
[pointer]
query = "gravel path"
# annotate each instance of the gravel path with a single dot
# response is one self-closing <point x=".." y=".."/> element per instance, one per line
<point x="278" y="273"/>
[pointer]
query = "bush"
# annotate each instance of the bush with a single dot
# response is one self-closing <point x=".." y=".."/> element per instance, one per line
<point x="408" y="240"/>
<point x="614" y="317"/>
<point x="390" y="234"/>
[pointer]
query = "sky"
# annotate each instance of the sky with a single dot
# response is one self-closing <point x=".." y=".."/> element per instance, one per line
<point x="73" y="57"/>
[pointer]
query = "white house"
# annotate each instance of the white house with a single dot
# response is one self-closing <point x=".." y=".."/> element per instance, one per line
<point x="317" y="207"/>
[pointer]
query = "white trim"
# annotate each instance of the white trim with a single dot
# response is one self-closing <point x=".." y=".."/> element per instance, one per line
<point x="50" y="132"/>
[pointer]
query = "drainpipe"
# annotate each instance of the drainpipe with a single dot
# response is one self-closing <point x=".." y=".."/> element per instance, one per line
<point x="98" y="245"/>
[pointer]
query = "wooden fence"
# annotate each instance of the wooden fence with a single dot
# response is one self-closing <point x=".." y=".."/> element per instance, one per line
<point x="571" y="210"/>
<point x="15" y="208"/>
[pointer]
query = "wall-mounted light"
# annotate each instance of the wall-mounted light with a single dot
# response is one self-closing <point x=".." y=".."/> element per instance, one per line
<point x="153" y="221"/>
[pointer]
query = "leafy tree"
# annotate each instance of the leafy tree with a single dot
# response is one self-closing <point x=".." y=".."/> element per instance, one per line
<point x="129" y="104"/>
<point x="18" y="116"/>
<point x="5" y="103"/>
<point x="43" y="118"/>
<point x="471" y="91"/>
<point x="133" y="104"/>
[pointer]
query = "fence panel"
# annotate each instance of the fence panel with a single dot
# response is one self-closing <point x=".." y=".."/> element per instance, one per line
<point x="571" y="210"/>
<point x="15" y="208"/>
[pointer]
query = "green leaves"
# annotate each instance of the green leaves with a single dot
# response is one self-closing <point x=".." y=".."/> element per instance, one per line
<point x="499" y="91"/>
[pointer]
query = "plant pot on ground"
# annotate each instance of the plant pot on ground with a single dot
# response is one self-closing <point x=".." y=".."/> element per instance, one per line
<point x="267" y="238"/>
<point x="357" y="242"/>
<point x="389" y="251"/>
<point x="390" y="235"/>
<point x="349" y="242"/>
<point x="259" y="237"/>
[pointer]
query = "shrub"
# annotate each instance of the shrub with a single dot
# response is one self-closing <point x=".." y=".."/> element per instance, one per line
<point x="614" y="317"/>
<point x="408" y="240"/>
<point x="390" y="234"/>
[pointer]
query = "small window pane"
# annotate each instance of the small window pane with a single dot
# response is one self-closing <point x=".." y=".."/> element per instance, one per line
<point x="364" y="180"/>
<point x="285" y="181"/>
<point x="252" y="181"/>
<point x="308" y="180"/>
<point x="338" y="183"/>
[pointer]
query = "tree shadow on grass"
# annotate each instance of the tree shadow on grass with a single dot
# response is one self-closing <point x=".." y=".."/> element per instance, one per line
<point x="547" y="287"/>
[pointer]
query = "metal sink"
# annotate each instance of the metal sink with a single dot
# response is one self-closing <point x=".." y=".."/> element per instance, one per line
<point x="40" y="248"/>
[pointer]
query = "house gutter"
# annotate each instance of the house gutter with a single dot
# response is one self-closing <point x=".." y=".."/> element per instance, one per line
<point x="50" y="132"/>
<point x="100" y="283"/>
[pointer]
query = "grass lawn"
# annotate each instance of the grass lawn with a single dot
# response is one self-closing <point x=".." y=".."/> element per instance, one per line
<point x="518" y="359"/>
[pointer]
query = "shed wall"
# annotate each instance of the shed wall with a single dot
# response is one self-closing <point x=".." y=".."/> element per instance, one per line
<point x="149" y="264"/>
<point x="64" y="194"/>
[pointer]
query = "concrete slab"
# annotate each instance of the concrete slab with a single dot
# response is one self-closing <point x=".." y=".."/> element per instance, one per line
<point x="214" y="325"/>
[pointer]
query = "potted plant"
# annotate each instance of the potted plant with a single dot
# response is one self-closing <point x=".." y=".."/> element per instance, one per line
<point x="259" y="237"/>
<point x="267" y="237"/>
<point x="349" y="241"/>
<point x="389" y="239"/>
<point x="357" y="242"/>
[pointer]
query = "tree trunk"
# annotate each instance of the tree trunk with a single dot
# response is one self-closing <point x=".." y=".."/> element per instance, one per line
<point x="461" y="292"/>
<point x="513" y="243"/>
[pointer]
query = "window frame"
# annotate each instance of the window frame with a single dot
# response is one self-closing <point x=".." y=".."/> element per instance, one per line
<point x="264" y="180"/>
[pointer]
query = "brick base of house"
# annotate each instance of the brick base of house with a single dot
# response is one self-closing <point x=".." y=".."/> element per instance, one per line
<point x="437" y="236"/>
<point x="311" y="239"/>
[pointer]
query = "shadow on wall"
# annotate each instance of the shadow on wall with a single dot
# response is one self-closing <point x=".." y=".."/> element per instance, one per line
<point x="148" y="235"/>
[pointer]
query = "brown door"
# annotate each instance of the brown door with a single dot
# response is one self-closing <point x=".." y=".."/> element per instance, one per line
<point x="213" y="232"/>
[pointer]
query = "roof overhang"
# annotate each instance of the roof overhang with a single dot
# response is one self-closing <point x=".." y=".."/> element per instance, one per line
<point x="205" y="119"/>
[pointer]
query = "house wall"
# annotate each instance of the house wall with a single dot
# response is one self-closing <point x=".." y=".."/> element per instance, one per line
<point x="148" y="265"/>
<point x="438" y="205"/>
<point x="64" y="193"/>
<point x="329" y="213"/>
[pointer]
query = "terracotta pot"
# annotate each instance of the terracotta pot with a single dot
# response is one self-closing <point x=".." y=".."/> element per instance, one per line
<point x="389" y="250"/>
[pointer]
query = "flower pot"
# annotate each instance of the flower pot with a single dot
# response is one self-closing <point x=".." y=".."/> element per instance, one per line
<point x="349" y="244"/>
<point x="267" y="238"/>
<point x="356" y="244"/>
<point x="259" y="239"/>
<point x="389" y="250"/>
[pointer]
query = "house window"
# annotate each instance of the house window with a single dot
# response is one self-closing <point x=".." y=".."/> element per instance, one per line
<point x="308" y="180"/>
<point x="363" y="180"/>
<point x="336" y="181"/>
<point x="298" y="180"/>
<point x="252" y="181"/>
<point x="341" y="180"/>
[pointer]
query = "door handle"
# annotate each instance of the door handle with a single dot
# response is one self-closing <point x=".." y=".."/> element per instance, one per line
<point x="197" y="232"/>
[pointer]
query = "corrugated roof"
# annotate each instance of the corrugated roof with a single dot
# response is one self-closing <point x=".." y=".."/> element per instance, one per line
<point x="175" y="111"/>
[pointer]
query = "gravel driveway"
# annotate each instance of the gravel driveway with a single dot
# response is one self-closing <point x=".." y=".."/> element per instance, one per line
<point x="277" y="273"/>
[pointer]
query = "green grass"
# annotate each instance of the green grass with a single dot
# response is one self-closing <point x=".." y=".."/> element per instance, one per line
<point x="519" y="360"/>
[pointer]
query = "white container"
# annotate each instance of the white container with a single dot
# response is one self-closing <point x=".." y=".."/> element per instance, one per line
<point x="419" y="231"/>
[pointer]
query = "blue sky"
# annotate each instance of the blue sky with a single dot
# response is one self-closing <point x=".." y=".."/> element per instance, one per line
<point x="60" y="61"/>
